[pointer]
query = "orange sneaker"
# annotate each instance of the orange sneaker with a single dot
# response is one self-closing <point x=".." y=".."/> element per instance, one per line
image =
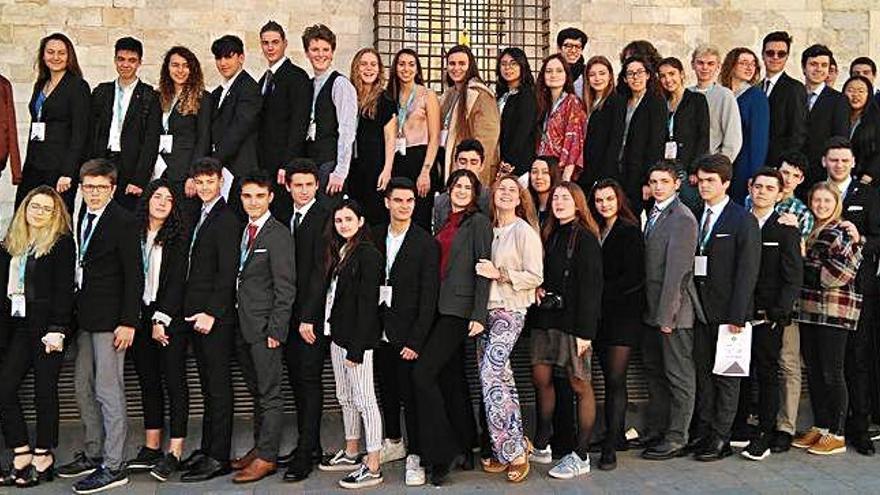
<point x="808" y="439"/>
<point x="829" y="445"/>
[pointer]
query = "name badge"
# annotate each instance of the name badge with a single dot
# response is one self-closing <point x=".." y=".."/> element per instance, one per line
<point x="313" y="130"/>
<point x="38" y="131"/>
<point x="701" y="266"/>
<point x="671" y="150"/>
<point x="165" y="143"/>
<point x="444" y="135"/>
<point x="18" y="305"/>
<point x="771" y="244"/>
<point x="400" y="146"/>
<point x="855" y="208"/>
<point x="385" y="293"/>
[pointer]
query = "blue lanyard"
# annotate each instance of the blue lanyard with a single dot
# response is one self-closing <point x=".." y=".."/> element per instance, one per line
<point x="245" y="252"/>
<point x="120" y="96"/>
<point x="84" y="245"/>
<point x="146" y="254"/>
<point x="403" y="111"/>
<point x="38" y="105"/>
<point x="448" y="117"/>
<point x="22" y="268"/>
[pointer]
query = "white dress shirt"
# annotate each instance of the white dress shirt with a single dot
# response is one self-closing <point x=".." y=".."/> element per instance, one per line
<point x="773" y="80"/>
<point x="226" y="85"/>
<point x="716" y="213"/>
<point x="121" y="100"/>
<point x="80" y="249"/>
<point x="302" y="212"/>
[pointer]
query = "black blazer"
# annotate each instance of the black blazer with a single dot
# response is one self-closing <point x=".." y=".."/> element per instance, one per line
<point x="866" y="144"/>
<point x="623" y="269"/>
<point x="354" y="317"/>
<point x="829" y="117"/>
<point x="172" y="279"/>
<point x="519" y="130"/>
<point x="310" y="242"/>
<point x="861" y="206"/>
<point x="782" y="270"/>
<point x="113" y="275"/>
<point x="691" y="128"/>
<point x="462" y="292"/>
<point x="48" y="287"/>
<point x="213" y="264"/>
<point x="415" y="277"/>
<point x="734" y="251"/>
<point x="644" y="144"/>
<point x="139" y="141"/>
<point x="604" y="137"/>
<point x="66" y="115"/>
<point x="234" y="125"/>
<point x="788" y="118"/>
<point x="284" y="120"/>
<point x="191" y="141"/>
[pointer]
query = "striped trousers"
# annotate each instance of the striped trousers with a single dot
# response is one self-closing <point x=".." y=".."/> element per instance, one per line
<point x="356" y="394"/>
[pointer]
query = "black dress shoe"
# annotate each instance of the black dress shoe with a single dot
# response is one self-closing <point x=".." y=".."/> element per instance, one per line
<point x="208" y="468"/>
<point x="194" y="458"/>
<point x="716" y="450"/>
<point x="298" y="469"/>
<point x="439" y="475"/>
<point x="645" y="442"/>
<point x="664" y="451"/>
<point x="608" y="460"/>
<point x="863" y="445"/>
<point x="285" y="460"/>
<point x="781" y="442"/>
<point x="697" y="444"/>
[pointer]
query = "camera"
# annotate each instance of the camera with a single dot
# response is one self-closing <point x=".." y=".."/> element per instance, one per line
<point x="552" y="300"/>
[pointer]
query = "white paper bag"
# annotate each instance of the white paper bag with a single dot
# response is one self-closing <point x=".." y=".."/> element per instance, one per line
<point x="733" y="352"/>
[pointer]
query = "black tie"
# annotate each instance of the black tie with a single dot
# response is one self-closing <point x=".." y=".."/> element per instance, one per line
<point x="267" y="82"/>
<point x="297" y="218"/>
<point x="90" y="218"/>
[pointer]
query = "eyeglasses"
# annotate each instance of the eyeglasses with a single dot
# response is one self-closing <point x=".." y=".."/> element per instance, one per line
<point x="747" y="63"/>
<point x="90" y="188"/>
<point x="632" y="74"/>
<point x="572" y="46"/>
<point x="509" y="65"/>
<point x="34" y="207"/>
<point x="775" y="53"/>
<point x="856" y="91"/>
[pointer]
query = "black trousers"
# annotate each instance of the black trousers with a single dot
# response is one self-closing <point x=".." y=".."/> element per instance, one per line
<point x="395" y="377"/>
<point x="304" y="366"/>
<point x="446" y="415"/>
<point x="32" y="177"/>
<point x="26" y="351"/>
<point x="717" y="396"/>
<point x="410" y="166"/>
<point x="262" y="372"/>
<point x="213" y="352"/>
<point x="824" y="349"/>
<point x="766" y="347"/>
<point x="859" y="362"/>
<point x="153" y="363"/>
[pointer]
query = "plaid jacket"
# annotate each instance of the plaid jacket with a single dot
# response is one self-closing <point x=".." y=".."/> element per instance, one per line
<point x="829" y="294"/>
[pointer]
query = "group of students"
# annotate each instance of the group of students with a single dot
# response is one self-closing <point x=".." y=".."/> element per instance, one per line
<point x="277" y="221"/>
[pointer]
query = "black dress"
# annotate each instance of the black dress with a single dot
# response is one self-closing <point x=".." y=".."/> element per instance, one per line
<point x="369" y="160"/>
<point x="623" y="297"/>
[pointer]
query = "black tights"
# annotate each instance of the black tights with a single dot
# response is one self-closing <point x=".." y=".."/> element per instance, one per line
<point x="614" y="360"/>
<point x="542" y="377"/>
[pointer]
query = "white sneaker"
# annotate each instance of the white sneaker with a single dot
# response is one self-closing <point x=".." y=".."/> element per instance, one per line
<point x="570" y="467"/>
<point x="542" y="456"/>
<point x="415" y="473"/>
<point x="392" y="451"/>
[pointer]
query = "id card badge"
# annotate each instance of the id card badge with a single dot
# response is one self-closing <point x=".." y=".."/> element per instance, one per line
<point x="18" y="305"/>
<point x="444" y="135"/>
<point x="313" y="130"/>
<point x="701" y="266"/>
<point x="165" y="143"/>
<point x="385" y="292"/>
<point x="671" y="150"/>
<point x="38" y="131"/>
<point x="400" y="146"/>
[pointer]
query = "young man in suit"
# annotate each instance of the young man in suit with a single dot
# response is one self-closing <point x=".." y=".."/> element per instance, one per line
<point x="333" y="117"/>
<point x="779" y="283"/>
<point x="861" y="207"/>
<point x="235" y="120"/>
<point x="306" y="348"/>
<point x="127" y="122"/>
<point x="788" y="112"/>
<point x="726" y="265"/>
<point x="109" y="282"/>
<point x="725" y="125"/>
<point x="266" y="278"/>
<point x="670" y="238"/>
<point x="408" y="303"/>
<point x="209" y="306"/>
<point x="284" y="120"/>
<point x="571" y="43"/>
<point x="827" y="111"/>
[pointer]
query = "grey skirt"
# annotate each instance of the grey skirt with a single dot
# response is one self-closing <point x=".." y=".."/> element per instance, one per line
<point x="557" y="348"/>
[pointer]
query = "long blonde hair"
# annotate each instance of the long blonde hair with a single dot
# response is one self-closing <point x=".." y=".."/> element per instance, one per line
<point x="526" y="208"/>
<point x="819" y="226"/>
<point x="20" y="238"/>
<point x="368" y="95"/>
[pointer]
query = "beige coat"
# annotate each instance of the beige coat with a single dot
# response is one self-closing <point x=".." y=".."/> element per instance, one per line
<point x="485" y="122"/>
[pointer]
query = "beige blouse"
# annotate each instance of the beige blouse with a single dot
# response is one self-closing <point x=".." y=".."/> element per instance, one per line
<point x="516" y="248"/>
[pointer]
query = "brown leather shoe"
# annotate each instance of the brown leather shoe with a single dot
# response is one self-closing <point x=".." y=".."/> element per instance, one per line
<point x="240" y="463"/>
<point x="255" y="471"/>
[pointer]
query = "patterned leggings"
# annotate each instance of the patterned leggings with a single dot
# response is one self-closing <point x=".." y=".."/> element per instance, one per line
<point x="503" y="415"/>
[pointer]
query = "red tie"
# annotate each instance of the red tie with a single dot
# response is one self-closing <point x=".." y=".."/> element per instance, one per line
<point x="252" y="234"/>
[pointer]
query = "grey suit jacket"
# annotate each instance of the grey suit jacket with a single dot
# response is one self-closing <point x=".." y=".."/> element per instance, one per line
<point x="442" y="207"/>
<point x="266" y="285"/>
<point x="669" y="269"/>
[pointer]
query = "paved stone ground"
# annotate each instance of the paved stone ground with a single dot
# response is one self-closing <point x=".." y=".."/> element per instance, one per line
<point x="795" y="472"/>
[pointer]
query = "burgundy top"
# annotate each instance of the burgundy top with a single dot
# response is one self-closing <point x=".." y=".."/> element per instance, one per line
<point x="445" y="237"/>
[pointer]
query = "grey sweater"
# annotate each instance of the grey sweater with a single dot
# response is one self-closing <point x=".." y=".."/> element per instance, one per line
<point x="725" y="125"/>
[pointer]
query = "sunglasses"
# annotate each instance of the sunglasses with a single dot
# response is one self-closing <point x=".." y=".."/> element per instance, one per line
<point x="776" y="53"/>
